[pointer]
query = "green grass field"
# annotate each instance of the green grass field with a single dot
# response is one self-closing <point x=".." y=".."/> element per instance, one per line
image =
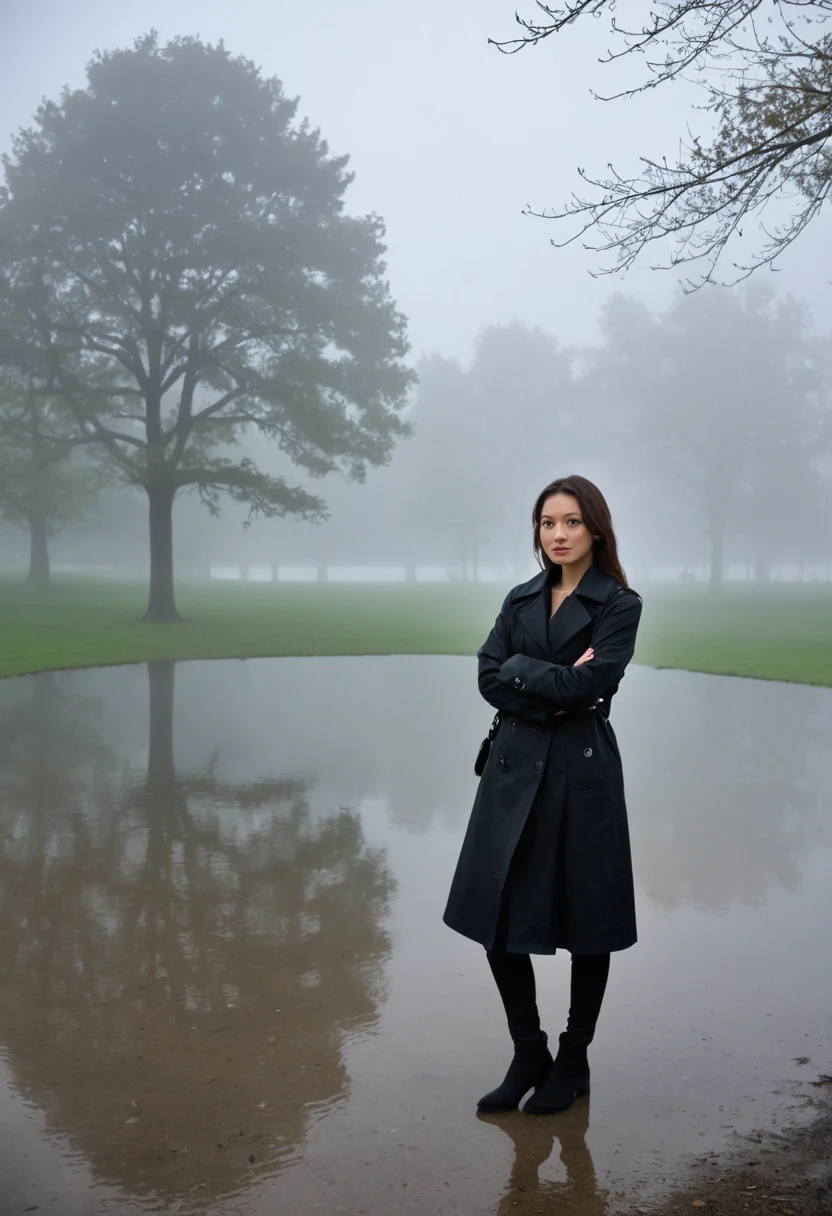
<point x="775" y="633"/>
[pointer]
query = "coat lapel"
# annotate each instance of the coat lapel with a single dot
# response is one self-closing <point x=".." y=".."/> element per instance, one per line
<point x="533" y="605"/>
<point x="572" y="617"/>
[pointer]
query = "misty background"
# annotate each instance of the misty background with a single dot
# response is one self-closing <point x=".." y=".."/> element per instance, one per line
<point x="704" y="418"/>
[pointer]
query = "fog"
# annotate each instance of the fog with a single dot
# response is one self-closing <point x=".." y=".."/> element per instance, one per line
<point x="704" y="418"/>
<point x="277" y="303"/>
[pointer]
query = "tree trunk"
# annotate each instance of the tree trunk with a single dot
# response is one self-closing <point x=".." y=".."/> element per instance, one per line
<point x="161" y="605"/>
<point x="717" y="535"/>
<point x="38" y="553"/>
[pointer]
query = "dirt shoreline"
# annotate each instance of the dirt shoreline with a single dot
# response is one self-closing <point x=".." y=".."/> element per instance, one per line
<point x="785" y="1169"/>
<point x="788" y="1170"/>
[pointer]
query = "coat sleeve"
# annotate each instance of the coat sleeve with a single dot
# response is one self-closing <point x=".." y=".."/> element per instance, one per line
<point x="492" y="656"/>
<point x="559" y="687"/>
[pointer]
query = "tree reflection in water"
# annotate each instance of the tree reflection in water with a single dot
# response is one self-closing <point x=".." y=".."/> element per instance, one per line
<point x="180" y="957"/>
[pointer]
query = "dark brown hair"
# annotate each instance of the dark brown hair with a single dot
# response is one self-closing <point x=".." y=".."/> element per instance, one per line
<point x="596" y="516"/>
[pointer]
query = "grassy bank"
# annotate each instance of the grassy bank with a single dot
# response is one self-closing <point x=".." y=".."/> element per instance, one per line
<point x="777" y="633"/>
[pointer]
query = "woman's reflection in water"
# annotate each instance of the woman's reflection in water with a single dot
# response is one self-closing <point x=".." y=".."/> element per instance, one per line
<point x="534" y="1142"/>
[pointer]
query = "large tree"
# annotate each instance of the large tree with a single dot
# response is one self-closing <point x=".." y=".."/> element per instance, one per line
<point x="190" y="240"/>
<point x="763" y="159"/>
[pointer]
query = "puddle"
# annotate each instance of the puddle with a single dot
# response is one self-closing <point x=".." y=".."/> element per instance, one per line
<point x="225" y="986"/>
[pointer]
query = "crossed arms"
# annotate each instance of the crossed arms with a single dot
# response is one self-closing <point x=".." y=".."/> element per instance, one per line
<point x="533" y="688"/>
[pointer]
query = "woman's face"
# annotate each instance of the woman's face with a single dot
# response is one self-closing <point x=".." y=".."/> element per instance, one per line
<point x="563" y="534"/>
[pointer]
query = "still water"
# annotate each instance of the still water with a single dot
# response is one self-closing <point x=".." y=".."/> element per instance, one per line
<point x="225" y="986"/>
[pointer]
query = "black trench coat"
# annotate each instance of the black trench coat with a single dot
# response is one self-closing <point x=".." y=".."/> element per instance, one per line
<point x="547" y="841"/>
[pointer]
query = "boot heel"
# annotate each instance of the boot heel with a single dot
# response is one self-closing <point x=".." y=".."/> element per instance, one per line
<point x="568" y="1079"/>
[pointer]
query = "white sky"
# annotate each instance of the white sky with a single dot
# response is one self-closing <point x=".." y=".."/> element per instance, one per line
<point x="448" y="138"/>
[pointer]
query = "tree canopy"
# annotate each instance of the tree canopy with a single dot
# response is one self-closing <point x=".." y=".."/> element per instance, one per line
<point x="182" y="241"/>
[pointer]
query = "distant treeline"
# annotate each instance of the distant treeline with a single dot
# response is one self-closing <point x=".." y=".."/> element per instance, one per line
<point x="712" y="421"/>
<point x="185" y="308"/>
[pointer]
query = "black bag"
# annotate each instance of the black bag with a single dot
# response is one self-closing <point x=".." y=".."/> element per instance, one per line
<point x="485" y="746"/>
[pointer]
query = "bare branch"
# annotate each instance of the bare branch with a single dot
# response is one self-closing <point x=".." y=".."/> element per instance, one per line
<point x="772" y="97"/>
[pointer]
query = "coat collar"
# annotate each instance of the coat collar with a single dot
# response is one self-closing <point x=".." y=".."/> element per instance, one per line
<point x="533" y="604"/>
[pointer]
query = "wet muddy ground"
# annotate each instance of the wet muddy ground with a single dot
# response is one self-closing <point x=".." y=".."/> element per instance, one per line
<point x="225" y="986"/>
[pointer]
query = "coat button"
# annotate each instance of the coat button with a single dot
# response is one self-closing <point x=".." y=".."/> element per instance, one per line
<point x="536" y="730"/>
<point x="538" y="765"/>
<point x="518" y="683"/>
<point x="587" y="752"/>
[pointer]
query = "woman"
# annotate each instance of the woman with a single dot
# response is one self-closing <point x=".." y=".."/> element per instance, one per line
<point x="545" y="863"/>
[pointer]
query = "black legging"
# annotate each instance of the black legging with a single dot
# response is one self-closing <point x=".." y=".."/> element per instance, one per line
<point x="514" y="975"/>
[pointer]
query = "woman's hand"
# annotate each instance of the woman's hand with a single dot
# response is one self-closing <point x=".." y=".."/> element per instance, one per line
<point x="585" y="657"/>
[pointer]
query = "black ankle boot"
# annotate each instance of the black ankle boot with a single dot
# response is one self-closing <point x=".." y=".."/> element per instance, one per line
<point x="531" y="1065"/>
<point x="567" y="1080"/>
